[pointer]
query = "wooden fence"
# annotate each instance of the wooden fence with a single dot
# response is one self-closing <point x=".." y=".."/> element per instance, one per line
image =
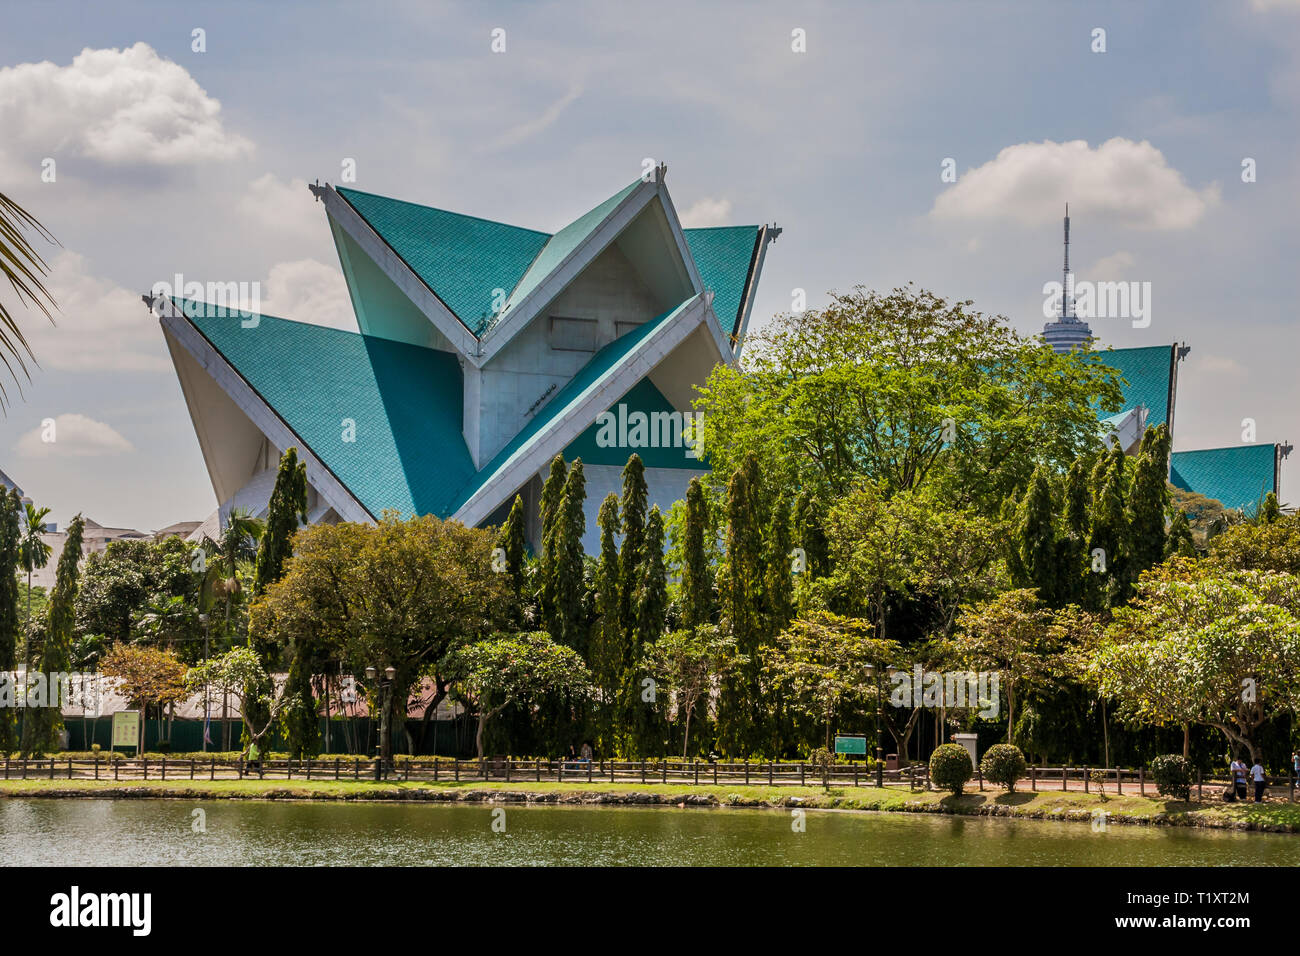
<point x="1115" y="780"/>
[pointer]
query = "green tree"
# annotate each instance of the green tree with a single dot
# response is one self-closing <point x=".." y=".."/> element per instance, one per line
<point x="697" y="577"/>
<point x="823" y="663"/>
<point x="1109" y="542"/>
<point x="1179" y="540"/>
<point x="1265" y="546"/>
<point x="1148" y="502"/>
<point x="513" y="545"/>
<point x="562" y="587"/>
<point x="651" y="599"/>
<point x="906" y="390"/>
<point x="146" y="677"/>
<point x="689" y="664"/>
<point x="400" y="593"/>
<point x="240" y="673"/>
<point x="632" y="554"/>
<point x="33" y="553"/>
<point x="607" y="651"/>
<point x="41" y="730"/>
<point x="740" y="713"/>
<point x="10" y="562"/>
<point x="810" y="532"/>
<point x="1010" y="635"/>
<point x="1037" y="551"/>
<point x="508" y="669"/>
<point x="285" y="512"/>
<point x="778" y="565"/>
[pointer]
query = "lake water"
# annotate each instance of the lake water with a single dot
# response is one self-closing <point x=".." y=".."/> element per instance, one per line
<point x="160" y="832"/>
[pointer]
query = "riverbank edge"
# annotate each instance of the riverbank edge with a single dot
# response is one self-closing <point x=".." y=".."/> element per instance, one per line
<point x="1041" y="805"/>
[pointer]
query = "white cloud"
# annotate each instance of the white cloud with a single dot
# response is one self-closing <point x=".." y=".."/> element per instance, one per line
<point x="707" y="212"/>
<point x="99" y="324"/>
<point x="1126" y="182"/>
<point x="72" y="434"/>
<point x="308" y="291"/>
<point x="1263" y="6"/>
<point x="118" y="107"/>
<point x="272" y="205"/>
<point x="1111" y="267"/>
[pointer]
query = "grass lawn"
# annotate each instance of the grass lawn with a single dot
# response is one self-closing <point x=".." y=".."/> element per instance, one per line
<point x="1275" y="816"/>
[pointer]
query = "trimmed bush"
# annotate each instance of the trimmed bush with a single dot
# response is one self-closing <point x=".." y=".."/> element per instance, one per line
<point x="1003" y="765"/>
<point x="950" y="767"/>
<point x="1173" y="776"/>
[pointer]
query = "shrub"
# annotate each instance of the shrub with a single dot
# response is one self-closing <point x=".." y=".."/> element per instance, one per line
<point x="1003" y="765"/>
<point x="1173" y="776"/>
<point x="950" y="767"/>
<point x="822" y="760"/>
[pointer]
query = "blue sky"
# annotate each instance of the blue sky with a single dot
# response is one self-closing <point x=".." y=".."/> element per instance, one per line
<point x="169" y="160"/>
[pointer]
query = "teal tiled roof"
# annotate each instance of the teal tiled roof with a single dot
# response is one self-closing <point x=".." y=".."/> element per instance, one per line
<point x="409" y="451"/>
<point x="462" y="259"/>
<point x="1238" y="477"/>
<point x="564" y="242"/>
<point x="1147" y="374"/>
<point x="723" y="255"/>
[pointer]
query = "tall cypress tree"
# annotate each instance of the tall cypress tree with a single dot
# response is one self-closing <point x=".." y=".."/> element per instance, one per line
<point x="632" y="553"/>
<point x="10" y="535"/>
<point x="41" y="731"/>
<point x="651" y="605"/>
<point x="512" y="542"/>
<point x="567" y="530"/>
<point x="606" y="653"/>
<point x="740" y="721"/>
<point x="697" y="580"/>
<point x="1110" y="533"/>
<point x="286" y="512"/>
<point x="1035" y="541"/>
<point x="1148" y="502"/>
<point x="1072" y="546"/>
<point x="779" y="581"/>
<point x="549" y="563"/>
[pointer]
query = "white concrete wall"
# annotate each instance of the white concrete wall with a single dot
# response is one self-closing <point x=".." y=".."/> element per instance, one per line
<point x="664" y="486"/>
<point x="502" y="392"/>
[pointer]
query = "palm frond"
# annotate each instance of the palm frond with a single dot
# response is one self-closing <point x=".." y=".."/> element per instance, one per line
<point x="24" y="267"/>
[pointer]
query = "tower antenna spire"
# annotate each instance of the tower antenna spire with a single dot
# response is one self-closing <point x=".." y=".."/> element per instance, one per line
<point x="1067" y="287"/>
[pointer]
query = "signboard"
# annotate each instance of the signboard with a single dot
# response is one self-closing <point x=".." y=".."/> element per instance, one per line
<point x="852" y="744"/>
<point x="126" y="728"/>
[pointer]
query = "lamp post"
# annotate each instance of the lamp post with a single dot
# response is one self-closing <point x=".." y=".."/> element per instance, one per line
<point x="384" y="690"/>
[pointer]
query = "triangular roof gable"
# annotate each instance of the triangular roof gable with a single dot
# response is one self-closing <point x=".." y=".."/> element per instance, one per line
<point x="594" y="388"/>
<point x="1238" y="477"/>
<point x="726" y="257"/>
<point x="642" y="397"/>
<point x="1149" y="374"/>
<point x="399" y="403"/>
<point x="621" y="218"/>
<point x="462" y="259"/>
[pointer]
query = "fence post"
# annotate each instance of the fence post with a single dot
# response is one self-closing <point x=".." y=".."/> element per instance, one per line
<point x="51" y="768"/>
<point x="1085" y="778"/>
<point x="212" y="773"/>
<point x="588" y="771"/>
<point x="979" y="777"/>
<point x="435" y="768"/>
<point x="455" y="768"/>
<point x="697" y="772"/>
<point x="96" y="768"/>
<point x="1033" y="777"/>
<point x="1142" y="780"/>
<point x="801" y="776"/>
<point x="482" y="766"/>
<point x="770" y="769"/>
<point x="537" y="764"/>
<point x="69" y="768"/>
<point x="1119" y="782"/>
<point x="559" y="769"/>
<point x="643" y="769"/>
<point x="1198" y="783"/>
<point x="356" y="768"/>
<point x="747" y="771"/>
<point x="508" y="762"/>
<point x="880" y="774"/>
<point x="855" y="775"/>
<point x="114" y="769"/>
<point x="664" y="770"/>
<point x="1064" y="783"/>
<point x="715" y="773"/>
<point x="192" y="765"/>
<point x="146" y="768"/>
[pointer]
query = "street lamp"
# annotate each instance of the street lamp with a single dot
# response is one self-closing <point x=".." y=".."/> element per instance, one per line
<point x="384" y="691"/>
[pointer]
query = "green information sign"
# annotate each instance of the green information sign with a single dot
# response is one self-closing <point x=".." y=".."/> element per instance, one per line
<point x="852" y="744"/>
<point x="126" y="728"/>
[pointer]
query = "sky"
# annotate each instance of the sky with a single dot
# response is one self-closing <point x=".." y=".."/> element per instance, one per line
<point x="930" y="142"/>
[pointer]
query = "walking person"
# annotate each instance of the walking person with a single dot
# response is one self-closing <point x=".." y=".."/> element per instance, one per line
<point x="1238" y="770"/>
<point x="1257" y="774"/>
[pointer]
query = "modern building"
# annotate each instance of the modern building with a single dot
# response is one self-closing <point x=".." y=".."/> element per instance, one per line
<point x="484" y="350"/>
